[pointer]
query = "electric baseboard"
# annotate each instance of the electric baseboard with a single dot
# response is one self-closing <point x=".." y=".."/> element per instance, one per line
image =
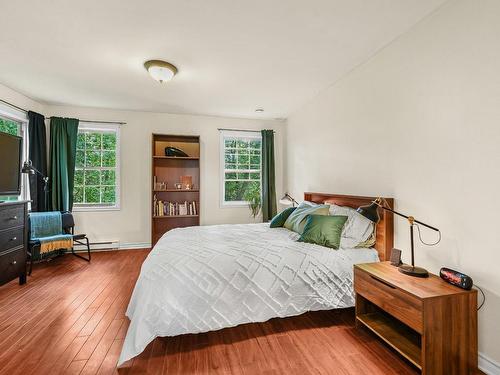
<point x="113" y="245"/>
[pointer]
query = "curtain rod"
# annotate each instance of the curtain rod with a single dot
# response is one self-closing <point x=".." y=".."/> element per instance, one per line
<point x="48" y="118"/>
<point x="96" y="121"/>
<point x="241" y="130"/>
<point x="13" y="106"/>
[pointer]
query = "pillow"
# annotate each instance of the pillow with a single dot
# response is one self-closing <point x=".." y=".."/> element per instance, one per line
<point x="280" y="218"/>
<point x="323" y="230"/>
<point x="297" y="219"/>
<point x="357" y="229"/>
<point x="370" y="242"/>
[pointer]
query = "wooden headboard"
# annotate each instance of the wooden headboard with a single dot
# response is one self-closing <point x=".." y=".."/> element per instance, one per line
<point x="385" y="227"/>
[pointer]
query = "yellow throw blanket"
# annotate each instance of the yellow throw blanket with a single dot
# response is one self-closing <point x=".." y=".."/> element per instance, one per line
<point x="56" y="243"/>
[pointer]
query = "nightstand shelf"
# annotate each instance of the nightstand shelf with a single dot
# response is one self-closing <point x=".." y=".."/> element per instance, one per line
<point x="428" y="321"/>
<point x="402" y="338"/>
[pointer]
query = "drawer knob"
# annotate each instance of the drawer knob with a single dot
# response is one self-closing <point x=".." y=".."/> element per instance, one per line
<point x="14" y="262"/>
<point x="13" y="217"/>
<point x="13" y="238"/>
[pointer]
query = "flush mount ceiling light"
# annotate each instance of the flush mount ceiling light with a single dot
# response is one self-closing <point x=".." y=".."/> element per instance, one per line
<point x="161" y="71"/>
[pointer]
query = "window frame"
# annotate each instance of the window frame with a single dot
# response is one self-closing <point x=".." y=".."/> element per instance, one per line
<point x="99" y="127"/>
<point x="225" y="134"/>
<point x="20" y="117"/>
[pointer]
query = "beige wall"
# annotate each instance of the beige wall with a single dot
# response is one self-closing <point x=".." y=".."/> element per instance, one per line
<point x="420" y="122"/>
<point x="19" y="100"/>
<point x="131" y="225"/>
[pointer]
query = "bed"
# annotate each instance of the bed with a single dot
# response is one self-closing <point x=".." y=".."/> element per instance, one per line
<point x="200" y="279"/>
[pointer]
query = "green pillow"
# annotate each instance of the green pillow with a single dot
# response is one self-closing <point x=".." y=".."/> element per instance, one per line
<point x="297" y="219"/>
<point x="323" y="230"/>
<point x="280" y="219"/>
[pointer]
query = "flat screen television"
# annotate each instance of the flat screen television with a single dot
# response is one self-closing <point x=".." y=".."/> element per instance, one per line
<point x="11" y="149"/>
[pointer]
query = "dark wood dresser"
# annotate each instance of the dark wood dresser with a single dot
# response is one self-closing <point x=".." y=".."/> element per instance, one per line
<point x="430" y="322"/>
<point x="13" y="241"/>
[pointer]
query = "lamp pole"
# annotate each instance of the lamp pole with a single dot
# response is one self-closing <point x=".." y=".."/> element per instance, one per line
<point x="371" y="213"/>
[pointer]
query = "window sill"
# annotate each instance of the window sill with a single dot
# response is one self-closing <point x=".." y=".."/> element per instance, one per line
<point x="95" y="209"/>
<point x="234" y="204"/>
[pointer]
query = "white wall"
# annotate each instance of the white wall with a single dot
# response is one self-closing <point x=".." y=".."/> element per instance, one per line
<point x="420" y="122"/>
<point x="131" y="225"/>
<point x="19" y="100"/>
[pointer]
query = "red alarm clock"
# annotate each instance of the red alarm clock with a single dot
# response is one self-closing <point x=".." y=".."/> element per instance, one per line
<point x="456" y="278"/>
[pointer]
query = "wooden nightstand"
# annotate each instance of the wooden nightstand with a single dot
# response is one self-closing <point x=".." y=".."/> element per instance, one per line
<point x="431" y="323"/>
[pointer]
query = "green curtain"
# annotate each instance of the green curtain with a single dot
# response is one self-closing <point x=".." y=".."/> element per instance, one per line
<point x="38" y="156"/>
<point x="268" y="178"/>
<point x="63" y="135"/>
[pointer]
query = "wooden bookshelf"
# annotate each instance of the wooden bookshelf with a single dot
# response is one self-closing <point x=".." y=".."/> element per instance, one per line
<point x="169" y="169"/>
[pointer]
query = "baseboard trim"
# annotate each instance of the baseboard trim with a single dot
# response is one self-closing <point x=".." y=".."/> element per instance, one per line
<point x="113" y="246"/>
<point x="134" y="245"/>
<point x="488" y="365"/>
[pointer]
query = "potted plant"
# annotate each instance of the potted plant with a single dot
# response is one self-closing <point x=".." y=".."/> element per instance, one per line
<point x="252" y="196"/>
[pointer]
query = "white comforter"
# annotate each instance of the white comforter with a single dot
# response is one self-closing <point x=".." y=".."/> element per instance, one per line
<point x="206" y="278"/>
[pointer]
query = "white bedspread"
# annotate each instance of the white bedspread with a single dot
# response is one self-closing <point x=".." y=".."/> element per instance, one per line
<point x="206" y="278"/>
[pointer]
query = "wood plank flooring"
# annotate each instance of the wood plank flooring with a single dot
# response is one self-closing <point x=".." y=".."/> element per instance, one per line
<point x="70" y="319"/>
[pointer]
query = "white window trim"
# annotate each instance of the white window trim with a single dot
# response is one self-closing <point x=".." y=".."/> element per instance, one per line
<point x="232" y="134"/>
<point x="22" y="118"/>
<point x="100" y="127"/>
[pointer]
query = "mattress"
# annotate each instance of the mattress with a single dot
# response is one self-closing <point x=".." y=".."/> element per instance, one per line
<point x="205" y="278"/>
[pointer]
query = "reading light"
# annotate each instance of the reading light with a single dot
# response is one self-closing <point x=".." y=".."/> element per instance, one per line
<point x="371" y="213"/>
<point x="287" y="200"/>
<point x="161" y="71"/>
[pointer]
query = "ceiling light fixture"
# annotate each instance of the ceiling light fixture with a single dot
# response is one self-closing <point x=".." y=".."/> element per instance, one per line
<point x="161" y="71"/>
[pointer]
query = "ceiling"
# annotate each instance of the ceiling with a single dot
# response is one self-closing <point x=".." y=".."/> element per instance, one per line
<point x="233" y="56"/>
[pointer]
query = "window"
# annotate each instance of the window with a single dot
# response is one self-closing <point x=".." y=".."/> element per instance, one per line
<point x="14" y="122"/>
<point x="97" y="171"/>
<point x="10" y="127"/>
<point x="240" y="166"/>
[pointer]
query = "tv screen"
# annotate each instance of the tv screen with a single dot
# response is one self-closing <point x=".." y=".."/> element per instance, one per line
<point x="10" y="164"/>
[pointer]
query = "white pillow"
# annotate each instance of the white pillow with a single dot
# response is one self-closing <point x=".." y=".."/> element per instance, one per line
<point x="357" y="228"/>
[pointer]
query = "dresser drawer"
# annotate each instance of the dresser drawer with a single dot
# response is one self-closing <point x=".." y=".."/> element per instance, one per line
<point x="12" y="264"/>
<point x="11" y="238"/>
<point x="11" y="216"/>
<point x="401" y="305"/>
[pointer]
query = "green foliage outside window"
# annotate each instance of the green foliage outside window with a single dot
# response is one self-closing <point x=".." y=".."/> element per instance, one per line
<point x="9" y="127"/>
<point x="242" y="165"/>
<point x="95" y="174"/>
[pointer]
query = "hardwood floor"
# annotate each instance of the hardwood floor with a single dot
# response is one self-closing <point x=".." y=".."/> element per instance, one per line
<point x="70" y="319"/>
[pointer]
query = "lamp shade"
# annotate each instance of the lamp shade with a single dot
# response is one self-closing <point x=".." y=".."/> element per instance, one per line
<point x="28" y="168"/>
<point x="285" y="201"/>
<point x="370" y="212"/>
<point x="288" y="200"/>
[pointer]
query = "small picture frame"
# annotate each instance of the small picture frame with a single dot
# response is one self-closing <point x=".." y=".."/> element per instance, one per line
<point x="396" y="257"/>
<point x="178" y="186"/>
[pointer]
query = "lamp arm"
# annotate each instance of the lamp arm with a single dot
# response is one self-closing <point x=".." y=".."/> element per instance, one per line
<point x="409" y="218"/>
<point x="291" y="198"/>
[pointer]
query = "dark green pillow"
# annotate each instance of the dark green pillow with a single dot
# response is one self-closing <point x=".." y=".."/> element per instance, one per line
<point x="323" y="230"/>
<point x="279" y="220"/>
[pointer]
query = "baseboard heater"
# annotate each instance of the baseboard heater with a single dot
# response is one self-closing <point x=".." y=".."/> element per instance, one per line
<point x="99" y="246"/>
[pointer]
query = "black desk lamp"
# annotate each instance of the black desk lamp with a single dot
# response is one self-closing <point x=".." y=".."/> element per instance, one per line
<point x="371" y="213"/>
<point x="28" y="168"/>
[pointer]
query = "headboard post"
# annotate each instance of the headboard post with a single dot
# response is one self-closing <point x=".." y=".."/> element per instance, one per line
<point x="385" y="227"/>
